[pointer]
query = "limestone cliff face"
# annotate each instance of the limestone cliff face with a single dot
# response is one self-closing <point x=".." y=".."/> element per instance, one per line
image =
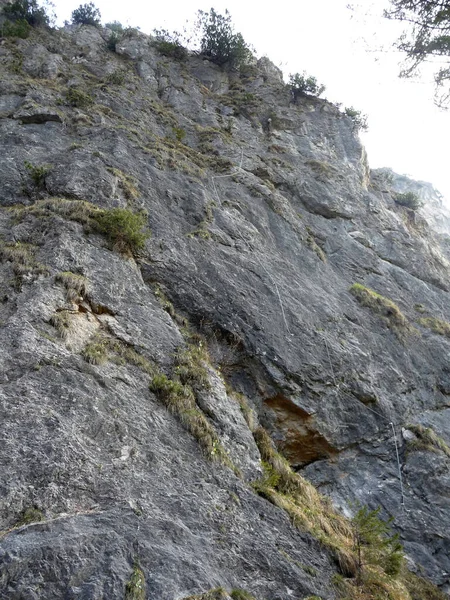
<point x="263" y="215"/>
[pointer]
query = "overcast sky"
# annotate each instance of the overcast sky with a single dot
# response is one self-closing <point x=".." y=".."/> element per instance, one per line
<point x="349" y="51"/>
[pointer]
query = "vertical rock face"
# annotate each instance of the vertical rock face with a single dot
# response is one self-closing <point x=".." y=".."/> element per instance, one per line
<point x="121" y="358"/>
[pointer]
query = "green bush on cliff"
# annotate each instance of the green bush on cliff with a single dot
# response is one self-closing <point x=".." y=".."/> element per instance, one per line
<point x="304" y="85"/>
<point x="86" y="14"/>
<point x="409" y="199"/>
<point x="168" y="44"/>
<point x="219" y="42"/>
<point x="359" y="120"/>
<point x="27" y="11"/>
<point x="125" y="229"/>
<point x="19" y="29"/>
<point x="374" y="544"/>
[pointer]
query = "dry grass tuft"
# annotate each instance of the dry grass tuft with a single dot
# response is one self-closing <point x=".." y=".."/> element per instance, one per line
<point x="76" y="286"/>
<point x="22" y="258"/>
<point x="383" y="307"/>
<point x="62" y="322"/>
<point x="427" y="439"/>
<point x="125" y="230"/>
<point x="436" y="325"/>
<point x="216" y="594"/>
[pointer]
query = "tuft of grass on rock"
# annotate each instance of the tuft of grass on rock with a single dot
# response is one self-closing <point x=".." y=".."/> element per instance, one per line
<point x="238" y="594"/>
<point x="422" y="589"/>
<point x="383" y="307"/>
<point x="78" y="98"/>
<point x="76" y="286"/>
<point x="436" y="325"/>
<point x="102" y="348"/>
<point x="62" y="322"/>
<point x="38" y="173"/>
<point x="124" y="229"/>
<point x="168" y="306"/>
<point x="215" y="594"/>
<point x="427" y="439"/>
<point x="22" y="258"/>
<point x="29" y="515"/>
<point x="96" y="352"/>
<point x="126" y="182"/>
<point x="191" y="369"/>
<point x="179" y="396"/>
<point x="180" y="401"/>
<point x="135" y="586"/>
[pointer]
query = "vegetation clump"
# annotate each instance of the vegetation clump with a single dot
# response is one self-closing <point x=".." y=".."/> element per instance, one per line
<point x="38" y="173"/>
<point x="62" y="321"/>
<point x="358" y="119"/>
<point x="382" y="306"/>
<point x="180" y="400"/>
<point x="78" y="98"/>
<point x="368" y="556"/>
<point x="135" y="586"/>
<point x="374" y="544"/>
<point x="76" y="286"/>
<point x="20" y="29"/>
<point x="302" y="85"/>
<point x="409" y="199"/>
<point x="238" y="594"/>
<point x="23" y="13"/>
<point x="126" y="182"/>
<point x="427" y="439"/>
<point x="179" y="396"/>
<point x="421" y="589"/>
<point x="29" y="515"/>
<point x="86" y="14"/>
<point x="125" y="229"/>
<point x="96" y="351"/>
<point x="22" y="258"/>
<point x="218" y="41"/>
<point x="436" y="325"/>
<point x="102" y="348"/>
<point x="215" y="594"/>
<point x="169" y="44"/>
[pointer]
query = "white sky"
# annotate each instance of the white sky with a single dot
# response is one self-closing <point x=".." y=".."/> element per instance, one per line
<point x="407" y="132"/>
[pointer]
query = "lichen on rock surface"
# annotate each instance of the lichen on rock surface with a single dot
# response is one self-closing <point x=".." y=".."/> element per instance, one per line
<point x="277" y="292"/>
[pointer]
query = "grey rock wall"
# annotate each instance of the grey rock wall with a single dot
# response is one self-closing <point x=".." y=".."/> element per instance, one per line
<point x="263" y="214"/>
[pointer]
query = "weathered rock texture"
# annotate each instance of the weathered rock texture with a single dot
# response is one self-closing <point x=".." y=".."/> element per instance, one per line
<point x="263" y="214"/>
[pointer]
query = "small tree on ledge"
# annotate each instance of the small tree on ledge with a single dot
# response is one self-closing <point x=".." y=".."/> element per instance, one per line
<point x="219" y="42"/>
<point x="86" y="14"/>
<point x="304" y="85"/>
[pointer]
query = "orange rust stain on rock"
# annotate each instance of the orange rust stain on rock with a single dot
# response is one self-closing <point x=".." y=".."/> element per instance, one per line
<point x="300" y="443"/>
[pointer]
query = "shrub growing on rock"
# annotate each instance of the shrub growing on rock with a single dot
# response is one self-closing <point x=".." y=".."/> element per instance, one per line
<point x="219" y="42"/>
<point x="168" y="44"/>
<point x="359" y="120"/>
<point x="86" y="14"/>
<point x="374" y="544"/>
<point x="19" y="29"/>
<point x="27" y="11"/>
<point x="409" y="199"/>
<point x="304" y="85"/>
<point x="125" y="229"/>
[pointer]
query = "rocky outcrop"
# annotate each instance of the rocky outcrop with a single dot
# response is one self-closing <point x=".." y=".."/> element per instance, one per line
<point x="263" y="215"/>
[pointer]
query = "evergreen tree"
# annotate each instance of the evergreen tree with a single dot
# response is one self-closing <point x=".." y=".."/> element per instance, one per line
<point x="427" y="38"/>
